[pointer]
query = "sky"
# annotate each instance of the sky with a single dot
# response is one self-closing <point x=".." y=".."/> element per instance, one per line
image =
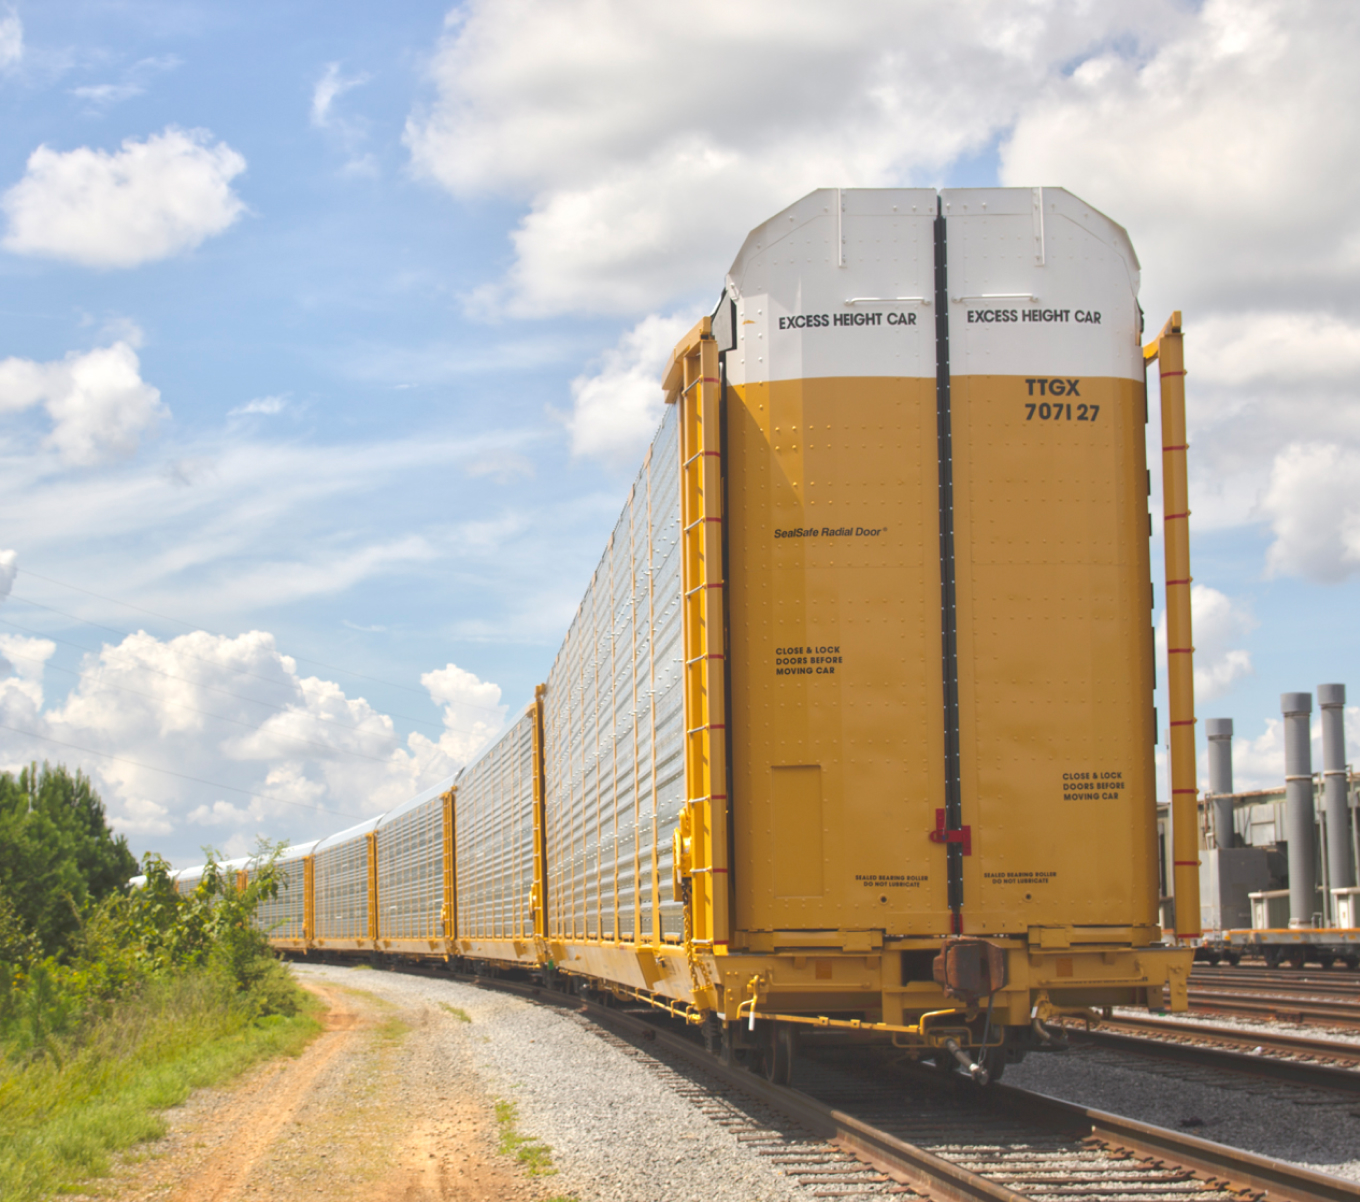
<point x="331" y="336"/>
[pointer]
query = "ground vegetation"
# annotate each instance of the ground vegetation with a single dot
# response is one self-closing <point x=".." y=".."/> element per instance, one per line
<point x="117" y="1001"/>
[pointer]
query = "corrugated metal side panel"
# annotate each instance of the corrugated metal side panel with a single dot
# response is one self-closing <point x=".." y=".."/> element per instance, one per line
<point x="411" y="873"/>
<point x="614" y="725"/>
<point x="341" y="889"/>
<point x="281" y="916"/>
<point x="494" y="821"/>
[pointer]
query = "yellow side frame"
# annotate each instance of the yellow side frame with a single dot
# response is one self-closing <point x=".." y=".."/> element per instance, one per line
<point x="449" y="912"/>
<point x="308" y="899"/>
<point x="372" y="840"/>
<point x="1168" y="351"/>
<point x="693" y="382"/>
<point x="539" y="892"/>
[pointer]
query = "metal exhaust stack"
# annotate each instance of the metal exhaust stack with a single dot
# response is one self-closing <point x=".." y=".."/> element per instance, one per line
<point x="1298" y="806"/>
<point x="1332" y="702"/>
<point x="1219" y="731"/>
<point x="1169" y="350"/>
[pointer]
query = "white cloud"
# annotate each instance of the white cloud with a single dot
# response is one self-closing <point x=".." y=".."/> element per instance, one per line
<point x="134" y="83"/>
<point x="1215" y="152"/>
<point x="472" y="711"/>
<point x="234" y="711"/>
<point x="98" y="402"/>
<point x="266" y="405"/>
<point x="9" y="565"/>
<point x="328" y="89"/>
<point x="615" y="411"/>
<point x="1280" y="346"/>
<point x="11" y="40"/>
<point x="1226" y="150"/>
<point x="1217" y="622"/>
<point x="1313" y="506"/>
<point x="149" y="200"/>
<point x="503" y="467"/>
<point x="643" y="165"/>
<point x="104" y="95"/>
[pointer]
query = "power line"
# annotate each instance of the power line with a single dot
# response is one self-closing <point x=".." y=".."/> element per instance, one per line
<point x="198" y="780"/>
<point x="202" y="630"/>
<point x="122" y="688"/>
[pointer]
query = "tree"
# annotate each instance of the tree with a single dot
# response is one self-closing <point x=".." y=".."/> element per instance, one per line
<point x="57" y="853"/>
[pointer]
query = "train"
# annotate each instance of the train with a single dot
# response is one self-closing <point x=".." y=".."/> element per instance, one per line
<point x="851" y="738"/>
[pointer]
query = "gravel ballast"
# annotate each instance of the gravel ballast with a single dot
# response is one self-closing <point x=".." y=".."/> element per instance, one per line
<point x="620" y="1133"/>
<point x="1314" y="1128"/>
<point x="617" y="1132"/>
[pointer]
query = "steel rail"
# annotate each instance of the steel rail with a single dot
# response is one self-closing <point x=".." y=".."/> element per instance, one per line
<point x="1252" y="1038"/>
<point x="935" y="1176"/>
<point x="1238" y="1169"/>
<point x="1284" y="1007"/>
<point x="1334" y="984"/>
<point x="1233" y="1059"/>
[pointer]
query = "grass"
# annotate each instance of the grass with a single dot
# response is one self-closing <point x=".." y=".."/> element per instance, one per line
<point x="64" y="1116"/>
<point x="533" y="1154"/>
<point x="463" y="1017"/>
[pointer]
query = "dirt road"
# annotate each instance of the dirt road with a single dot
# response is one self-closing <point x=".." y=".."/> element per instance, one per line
<point x="384" y="1105"/>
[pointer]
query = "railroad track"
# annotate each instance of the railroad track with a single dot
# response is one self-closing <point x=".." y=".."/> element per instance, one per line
<point x="851" y="1130"/>
<point x="1299" y="1060"/>
<point x="1340" y="982"/>
<point x="1278" y="1006"/>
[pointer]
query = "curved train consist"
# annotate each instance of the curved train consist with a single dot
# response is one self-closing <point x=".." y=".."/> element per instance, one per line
<point x="852" y="734"/>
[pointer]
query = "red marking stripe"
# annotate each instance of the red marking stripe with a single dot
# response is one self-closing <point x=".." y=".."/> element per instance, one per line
<point x="1186" y="722"/>
<point x="1173" y="373"/>
<point x="1185" y="446"/>
<point x="1171" y="517"/>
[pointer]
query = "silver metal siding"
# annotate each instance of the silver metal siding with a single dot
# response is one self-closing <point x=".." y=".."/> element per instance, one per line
<point x="282" y="915"/>
<point x="494" y="823"/>
<point x="411" y="873"/>
<point x="613" y="725"/>
<point x="341" y="887"/>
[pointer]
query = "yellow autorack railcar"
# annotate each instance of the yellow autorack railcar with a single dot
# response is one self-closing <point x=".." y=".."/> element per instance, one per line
<point x="852" y="734"/>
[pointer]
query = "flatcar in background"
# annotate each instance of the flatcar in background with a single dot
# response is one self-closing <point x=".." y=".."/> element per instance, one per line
<point x="852" y="735"/>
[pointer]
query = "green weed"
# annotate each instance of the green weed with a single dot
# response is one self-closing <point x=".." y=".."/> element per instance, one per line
<point x="533" y="1154"/>
<point x="460" y="1014"/>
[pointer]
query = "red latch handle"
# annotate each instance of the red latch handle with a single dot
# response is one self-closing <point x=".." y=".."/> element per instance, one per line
<point x="963" y="835"/>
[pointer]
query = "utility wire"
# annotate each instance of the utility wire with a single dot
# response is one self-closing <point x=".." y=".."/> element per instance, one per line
<point x="33" y="659"/>
<point x="198" y="780"/>
<point x="201" y="659"/>
<point x="190" y="626"/>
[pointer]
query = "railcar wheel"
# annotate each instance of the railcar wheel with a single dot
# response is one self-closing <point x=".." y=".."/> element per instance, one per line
<point x="713" y="1034"/>
<point x="777" y="1053"/>
<point x="994" y="1060"/>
